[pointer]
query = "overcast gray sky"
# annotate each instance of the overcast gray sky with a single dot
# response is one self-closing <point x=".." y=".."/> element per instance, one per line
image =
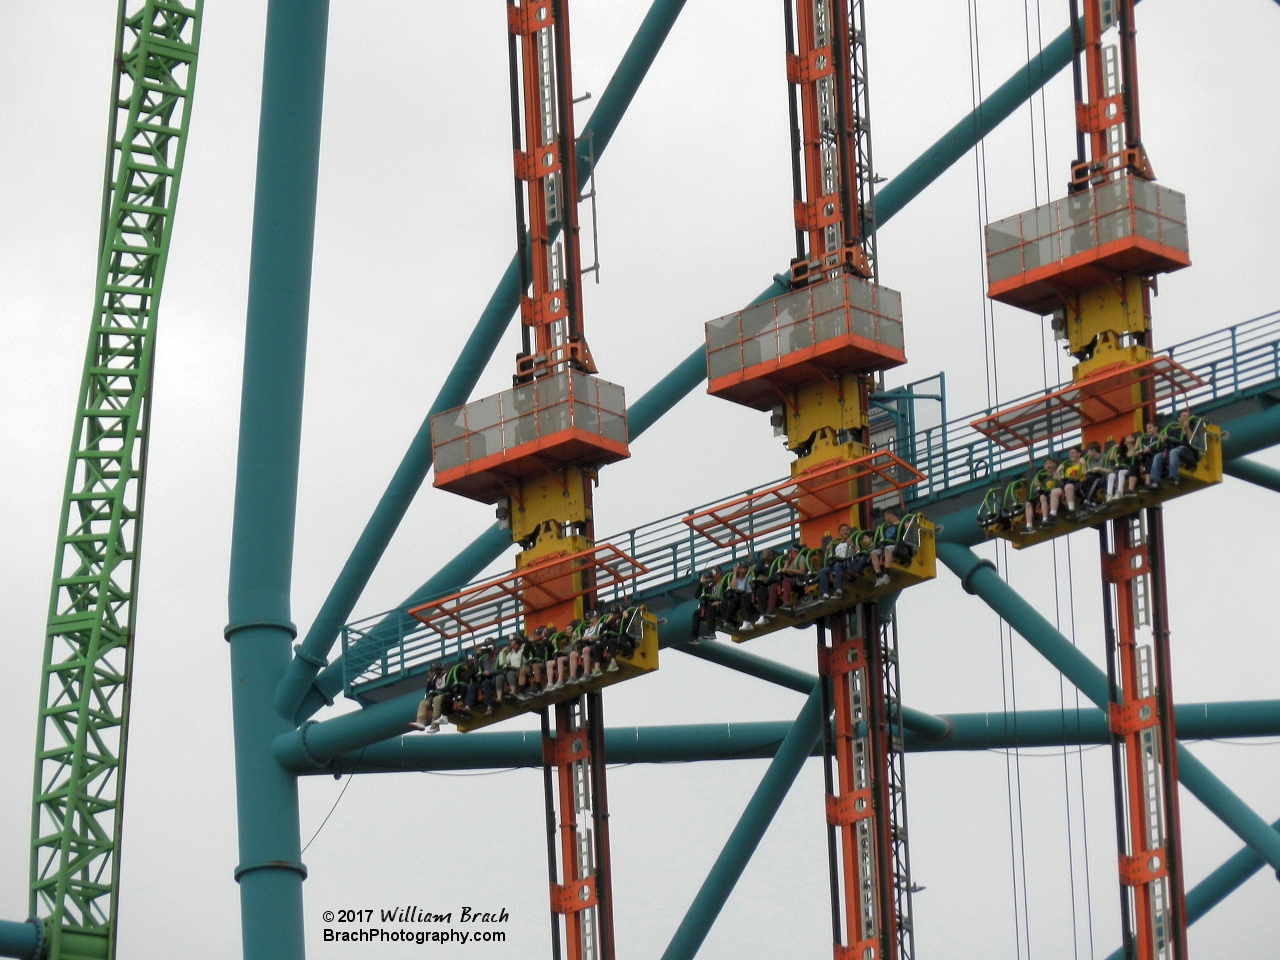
<point x="414" y="228"/>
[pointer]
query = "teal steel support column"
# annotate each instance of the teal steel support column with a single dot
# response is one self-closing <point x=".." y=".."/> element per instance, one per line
<point x="1217" y="886"/>
<point x="1258" y="473"/>
<point x="22" y="940"/>
<point x="260" y="631"/>
<point x="746" y="836"/>
<point x="475" y="356"/>
<point x="979" y="577"/>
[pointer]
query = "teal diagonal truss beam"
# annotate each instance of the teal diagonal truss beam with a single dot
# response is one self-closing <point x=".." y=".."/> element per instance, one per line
<point x="979" y="577"/>
<point x="1218" y="885"/>
<point x="746" y="835"/>
<point x="475" y="356"/>
<point x="82" y="730"/>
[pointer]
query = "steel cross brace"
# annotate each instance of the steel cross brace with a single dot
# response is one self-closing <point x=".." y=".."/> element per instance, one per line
<point x="979" y="577"/>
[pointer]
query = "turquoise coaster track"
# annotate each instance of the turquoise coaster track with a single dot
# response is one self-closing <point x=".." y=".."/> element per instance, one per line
<point x="279" y="686"/>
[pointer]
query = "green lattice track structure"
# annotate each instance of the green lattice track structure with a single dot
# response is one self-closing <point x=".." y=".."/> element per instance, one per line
<point x="88" y="653"/>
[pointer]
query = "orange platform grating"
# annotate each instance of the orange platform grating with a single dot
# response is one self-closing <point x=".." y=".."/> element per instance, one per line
<point x="820" y="492"/>
<point x="1129" y="225"/>
<point x="542" y="585"/>
<point x="1104" y="396"/>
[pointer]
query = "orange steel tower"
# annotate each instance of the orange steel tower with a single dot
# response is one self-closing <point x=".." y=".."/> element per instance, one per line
<point x="534" y="451"/>
<point x="1090" y="261"/>
<point x="810" y="357"/>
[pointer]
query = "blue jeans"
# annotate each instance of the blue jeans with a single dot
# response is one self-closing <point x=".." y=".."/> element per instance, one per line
<point x="1157" y="464"/>
<point x="832" y="574"/>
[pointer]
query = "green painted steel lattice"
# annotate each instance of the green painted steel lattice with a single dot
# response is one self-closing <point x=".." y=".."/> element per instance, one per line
<point x="84" y="690"/>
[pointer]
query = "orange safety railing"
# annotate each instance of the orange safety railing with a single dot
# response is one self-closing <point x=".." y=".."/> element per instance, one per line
<point x="543" y="585"/>
<point x="818" y="493"/>
<point x="1105" y="396"/>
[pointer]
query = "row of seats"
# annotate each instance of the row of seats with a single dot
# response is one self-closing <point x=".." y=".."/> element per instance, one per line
<point x="756" y="590"/>
<point x="1092" y="478"/>
<point x="529" y="670"/>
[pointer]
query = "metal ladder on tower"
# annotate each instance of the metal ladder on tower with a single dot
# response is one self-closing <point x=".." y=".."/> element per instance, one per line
<point x="574" y="782"/>
<point x="864" y="770"/>
<point x="1143" y="739"/>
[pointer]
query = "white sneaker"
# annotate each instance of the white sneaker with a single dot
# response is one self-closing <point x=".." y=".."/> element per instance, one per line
<point x="824" y="596"/>
<point x="434" y="728"/>
<point x="415" y="725"/>
<point x="882" y="580"/>
<point x="747" y="626"/>
<point x="759" y="620"/>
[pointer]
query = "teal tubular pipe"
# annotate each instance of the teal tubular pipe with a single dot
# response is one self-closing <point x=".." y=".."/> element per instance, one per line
<point x="1257" y="473"/>
<point x="762" y="668"/>
<point x="22" y="940"/>
<point x="1251" y="433"/>
<point x="755" y="820"/>
<point x="979" y="577"/>
<point x="960" y="139"/>
<point x="462" y="379"/>
<point x="1217" y="886"/>
<point x="728" y="741"/>
<point x="487" y="751"/>
<point x="270" y="872"/>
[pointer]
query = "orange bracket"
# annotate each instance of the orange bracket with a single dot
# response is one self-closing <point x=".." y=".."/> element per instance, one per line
<point x="862" y="950"/>
<point x="572" y="897"/>
<point x="562" y="751"/>
<point x="1095" y="399"/>
<point x="1137" y="871"/>
<point x="1127" y="718"/>
<point x="810" y="66"/>
<point x="533" y="167"/>
<point x="1125" y="564"/>
<point x="841" y="659"/>
<point x="531" y="17"/>
<point x="852" y="807"/>
<point x="818" y="213"/>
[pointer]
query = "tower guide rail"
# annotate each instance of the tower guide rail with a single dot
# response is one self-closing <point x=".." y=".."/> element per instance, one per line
<point x="382" y="651"/>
